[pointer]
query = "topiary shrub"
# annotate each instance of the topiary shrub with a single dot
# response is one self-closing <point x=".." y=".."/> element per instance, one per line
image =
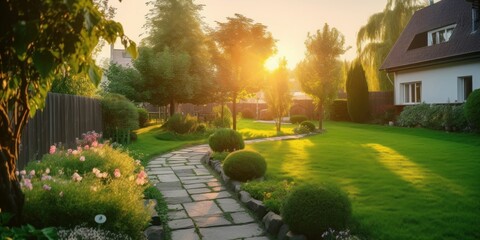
<point x="313" y="209"/>
<point x="308" y="124"/>
<point x="120" y="116"/>
<point x="296" y="119"/>
<point x="301" y="130"/>
<point x="472" y="109"/>
<point x="226" y="139"/>
<point x="357" y="91"/>
<point x="142" y="117"/>
<point x="244" y="165"/>
<point x="181" y="124"/>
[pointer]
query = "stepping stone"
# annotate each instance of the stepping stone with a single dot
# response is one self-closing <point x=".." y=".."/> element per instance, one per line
<point x="198" y="185"/>
<point x="185" y="234"/>
<point x="176" y="164"/>
<point x="175" y="193"/>
<point x="209" y="196"/>
<point x="200" y="181"/>
<point x="203" y="208"/>
<point x="177" y="214"/>
<point x="160" y="172"/>
<point x="229" y="205"/>
<point x="199" y="190"/>
<point x="195" y="177"/>
<point x="175" y="207"/>
<point x="218" y="189"/>
<point x="164" y="186"/>
<point x="183" y="167"/>
<point x="168" y="178"/>
<point x="214" y="184"/>
<point x="181" y="223"/>
<point x="177" y="200"/>
<point x="211" y="221"/>
<point x="241" y="217"/>
<point x="201" y="172"/>
<point x="231" y="232"/>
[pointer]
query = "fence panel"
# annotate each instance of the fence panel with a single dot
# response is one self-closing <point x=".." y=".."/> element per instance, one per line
<point x="64" y="118"/>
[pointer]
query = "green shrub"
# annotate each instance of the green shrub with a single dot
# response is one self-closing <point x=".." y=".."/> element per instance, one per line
<point x="220" y="156"/>
<point x="220" y="122"/>
<point x="142" y="117"/>
<point x="357" y="91"/>
<point x="296" y="119"/>
<point x="247" y="114"/>
<point x="82" y="183"/>
<point x="459" y="120"/>
<point x="436" y="117"/>
<point x="301" y="130"/>
<point x="224" y="122"/>
<point x="201" y="128"/>
<point x="226" y="139"/>
<point x="272" y="193"/>
<point x="472" y="109"/>
<point x="313" y="209"/>
<point x="119" y="112"/>
<point x="244" y="165"/>
<point x="308" y="124"/>
<point x="412" y="116"/>
<point x="181" y="124"/>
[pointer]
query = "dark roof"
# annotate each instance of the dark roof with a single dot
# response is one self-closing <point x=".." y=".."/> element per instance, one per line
<point x="463" y="44"/>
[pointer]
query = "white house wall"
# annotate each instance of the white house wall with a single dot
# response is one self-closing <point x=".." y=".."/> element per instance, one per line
<point x="439" y="83"/>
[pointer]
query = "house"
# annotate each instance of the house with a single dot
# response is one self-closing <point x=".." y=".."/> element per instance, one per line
<point x="436" y="59"/>
<point x="120" y="56"/>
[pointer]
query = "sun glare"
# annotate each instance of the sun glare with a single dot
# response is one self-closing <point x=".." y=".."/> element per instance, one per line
<point x="272" y="63"/>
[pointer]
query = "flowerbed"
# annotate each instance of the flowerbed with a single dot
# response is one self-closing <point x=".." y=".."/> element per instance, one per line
<point x="68" y="188"/>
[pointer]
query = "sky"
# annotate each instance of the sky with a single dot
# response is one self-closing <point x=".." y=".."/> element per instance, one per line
<point x="289" y="21"/>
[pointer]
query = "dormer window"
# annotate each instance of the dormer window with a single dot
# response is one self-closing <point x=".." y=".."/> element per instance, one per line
<point x="440" y="35"/>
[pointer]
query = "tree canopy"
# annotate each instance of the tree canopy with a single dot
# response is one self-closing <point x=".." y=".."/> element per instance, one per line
<point x="320" y="71"/>
<point x="41" y="39"/>
<point x="243" y="48"/>
<point x="125" y="81"/>
<point x="277" y="93"/>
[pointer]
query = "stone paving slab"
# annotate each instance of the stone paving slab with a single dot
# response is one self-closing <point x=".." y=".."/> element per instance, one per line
<point x="197" y="185"/>
<point x="209" y="196"/>
<point x="202" y="208"/>
<point x="199" y="190"/>
<point x="185" y="234"/>
<point x="241" y="217"/>
<point x="231" y="232"/>
<point x="211" y="221"/>
<point x="177" y="214"/>
<point x="229" y="205"/>
<point x="180" y="223"/>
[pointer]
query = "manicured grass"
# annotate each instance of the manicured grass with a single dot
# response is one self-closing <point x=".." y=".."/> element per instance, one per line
<point x="403" y="183"/>
<point x="251" y="129"/>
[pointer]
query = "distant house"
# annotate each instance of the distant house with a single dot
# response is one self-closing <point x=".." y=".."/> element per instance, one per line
<point x="120" y="56"/>
<point x="437" y="57"/>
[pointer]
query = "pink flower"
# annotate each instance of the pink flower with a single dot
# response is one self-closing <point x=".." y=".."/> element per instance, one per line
<point x="94" y="144"/>
<point x="79" y="148"/>
<point x="74" y="152"/>
<point x="46" y="187"/>
<point x="46" y="177"/>
<point x="69" y="151"/>
<point x="100" y="145"/>
<point x="142" y="174"/>
<point x="82" y="158"/>
<point x="17" y="173"/>
<point x="140" y="181"/>
<point x="95" y="170"/>
<point x="27" y="183"/>
<point x="141" y="178"/>
<point x="53" y="148"/>
<point x="117" y="173"/>
<point x="23" y="172"/>
<point x="76" y="177"/>
<point x="86" y="147"/>
<point x="32" y="173"/>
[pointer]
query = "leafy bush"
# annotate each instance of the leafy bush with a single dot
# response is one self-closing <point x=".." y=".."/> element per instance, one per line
<point x="226" y="139"/>
<point x="119" y="112"/>
<point x="142" y="117"/>
<point x="433" y="117"/>
<point x="244" y="165"/>
<point x="224" y="122"/>
<point x="247" y="114"/>
<point x="472" y="109"/>
<point x="181" y="124"/>
<point x="220" y="122"/>
<point x="308" y="124"/>
<point x="201" y="128"/>
<point x="357" y="91"/>
<point x="25" y="231"/>
<point x="296" y="119"/>
<point x="220" y="156"/>
<point x="301" y="130"/>
<point x="85" y="182"/>
<point x="459" y="121"/>
<point x="313" y="209"/>
<point x="272" y="193"/>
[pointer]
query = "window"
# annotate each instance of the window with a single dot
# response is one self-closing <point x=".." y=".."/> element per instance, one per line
<point x="465" y="87"/>
<point x="475" y="18"/>
<point x="440" y="35"/>
<point x="412" y="92"/>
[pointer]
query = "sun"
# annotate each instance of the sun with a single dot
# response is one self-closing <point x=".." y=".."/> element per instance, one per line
<point x="272" y="63"/>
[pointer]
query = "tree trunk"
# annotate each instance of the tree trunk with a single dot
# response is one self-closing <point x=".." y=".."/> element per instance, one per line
<point x="279" y="124"/>
<point x="234" y="111"/>
<point x="320" y="116"/>
<point x="172" y="107"/>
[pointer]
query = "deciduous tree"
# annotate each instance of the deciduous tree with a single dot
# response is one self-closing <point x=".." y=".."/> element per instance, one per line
<point x="40" y="39"/>
<point x="277" y="93"/>
<point x="125" y="81"/>
<point x="319" y="73"/>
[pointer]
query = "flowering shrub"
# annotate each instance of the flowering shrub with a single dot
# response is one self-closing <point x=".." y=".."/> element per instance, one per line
<point x="338" y="235"/>
<point x="70" y="187"/>
<point x="82" y="232"/>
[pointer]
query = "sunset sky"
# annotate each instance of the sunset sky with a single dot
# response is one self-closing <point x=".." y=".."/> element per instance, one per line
<point x="289" y="21"/>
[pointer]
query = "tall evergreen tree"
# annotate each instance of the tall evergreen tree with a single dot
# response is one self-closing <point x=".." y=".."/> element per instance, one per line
<point x="357" y="92"/>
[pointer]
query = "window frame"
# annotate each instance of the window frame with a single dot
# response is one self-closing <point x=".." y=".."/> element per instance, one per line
<point x="435" y="36"/>
<point x="411" y="92"/>
<point x="462" y="95"/>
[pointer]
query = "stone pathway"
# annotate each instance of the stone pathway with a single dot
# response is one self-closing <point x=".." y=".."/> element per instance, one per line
<point x="200" y="207"/>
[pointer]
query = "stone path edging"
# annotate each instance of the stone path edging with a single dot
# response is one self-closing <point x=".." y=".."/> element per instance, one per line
<point x="200" y="207"/>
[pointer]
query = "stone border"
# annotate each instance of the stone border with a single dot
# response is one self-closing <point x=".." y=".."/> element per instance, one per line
<point x="273" y="222"/>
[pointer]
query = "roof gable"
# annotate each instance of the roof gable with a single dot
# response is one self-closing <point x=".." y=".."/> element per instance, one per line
<point x="411" y="50"/>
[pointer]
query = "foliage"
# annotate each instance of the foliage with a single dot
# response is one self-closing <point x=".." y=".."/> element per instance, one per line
<point x="222" y="120"/>
<point x="175" y="62"/>
<point x="74" y="84"/>
<point x="301" y="129"/>
<point x="39" y="40"/>
<point x="319" y="73"/>
<point x="314" y="209"/>
<point x="181" y="124"/>
<point x="142" y="117"/>
<point x="84" y="182"/>
<point x="172" y="136"/>
<point x="377" y="37"/>
<point x="201" y="128"/>
<point x="438" y="117"/>
<point x="244" y="165"/>
<point x="277" y="93"/>
<point x="119" y="113"/>
<point x="246" y="113"/>
<point x="25" y="231"/>
<point x="296" y="119"/>
<point x="309" y="125"/>
<point x="152" y="192"/>
<point x="220" y="156"/>
<point x="225" y="139"/>
<point x="243" y="48"/>
<point x="357" y="92"/>
<point x="472" y="111"/>
<point x="125" y="81"/>
<point x="272" y="193"/>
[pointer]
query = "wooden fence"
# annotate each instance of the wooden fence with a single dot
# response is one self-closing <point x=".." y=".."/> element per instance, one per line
<point x="64" y="118"/>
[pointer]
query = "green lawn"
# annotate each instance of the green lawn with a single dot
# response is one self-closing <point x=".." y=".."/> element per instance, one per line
<point x="251" y="129"/>
<point x="403" y="183"/>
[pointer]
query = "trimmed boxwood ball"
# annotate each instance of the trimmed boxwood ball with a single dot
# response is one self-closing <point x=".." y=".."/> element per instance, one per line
<point x="313" y="209"/>
<point x="226" y="140"/>
<point x="308" y="124"/>
<point x="244" y="165"/>
<point x="472" y="109"/>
